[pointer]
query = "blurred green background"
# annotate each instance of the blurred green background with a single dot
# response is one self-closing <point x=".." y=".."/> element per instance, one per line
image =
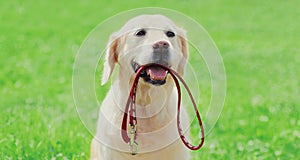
<point x="258" y="40"/>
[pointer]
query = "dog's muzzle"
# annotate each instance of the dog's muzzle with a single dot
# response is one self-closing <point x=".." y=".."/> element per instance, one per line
<point x="154" y="74"/>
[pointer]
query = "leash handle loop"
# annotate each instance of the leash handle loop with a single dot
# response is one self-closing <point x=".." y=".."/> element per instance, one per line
<point x="132" y="113"/>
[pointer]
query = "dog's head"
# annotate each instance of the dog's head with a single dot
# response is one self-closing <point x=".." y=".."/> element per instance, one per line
<point x="147" y="39"/>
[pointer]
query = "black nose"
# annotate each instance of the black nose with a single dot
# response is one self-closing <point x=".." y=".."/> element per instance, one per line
<point x="160" y="44"/>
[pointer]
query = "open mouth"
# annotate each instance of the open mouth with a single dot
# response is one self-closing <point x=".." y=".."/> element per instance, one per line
<point x="153" y="74"/>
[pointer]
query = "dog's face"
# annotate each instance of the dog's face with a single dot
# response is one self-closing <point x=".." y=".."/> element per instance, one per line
<point x="147" y="39"/>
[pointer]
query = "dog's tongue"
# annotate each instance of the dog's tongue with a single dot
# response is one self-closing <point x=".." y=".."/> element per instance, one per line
<point x="157" y="73"/>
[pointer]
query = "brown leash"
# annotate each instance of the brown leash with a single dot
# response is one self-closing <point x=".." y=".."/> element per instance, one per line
<point x="131" y="139"/>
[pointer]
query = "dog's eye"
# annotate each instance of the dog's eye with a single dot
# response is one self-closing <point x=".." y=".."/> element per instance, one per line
<point x="170" y="34"/>
<point x="140" y="33"/>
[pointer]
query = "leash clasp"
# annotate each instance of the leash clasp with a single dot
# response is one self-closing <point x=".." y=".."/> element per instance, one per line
<point x="132" y="143"/>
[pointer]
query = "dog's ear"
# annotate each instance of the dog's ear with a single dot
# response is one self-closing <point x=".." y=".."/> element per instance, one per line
<point x="184" y="50"/>
<point x="111" y="57"/>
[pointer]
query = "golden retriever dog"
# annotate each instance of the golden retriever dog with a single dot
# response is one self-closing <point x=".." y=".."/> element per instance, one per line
<point x="142" y="40"/>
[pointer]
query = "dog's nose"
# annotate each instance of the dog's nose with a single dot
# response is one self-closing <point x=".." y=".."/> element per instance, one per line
<point x="160" y="44"/>
<point x="161" y="52"/>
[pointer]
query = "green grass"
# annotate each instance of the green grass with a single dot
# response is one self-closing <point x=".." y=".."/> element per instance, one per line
<point x="258" y="40"/>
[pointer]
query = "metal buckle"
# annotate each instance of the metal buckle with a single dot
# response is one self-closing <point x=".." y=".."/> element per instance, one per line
<point x="132" y="143"/>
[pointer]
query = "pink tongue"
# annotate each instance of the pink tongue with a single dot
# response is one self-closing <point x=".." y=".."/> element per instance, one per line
<point x="157" y="73"/>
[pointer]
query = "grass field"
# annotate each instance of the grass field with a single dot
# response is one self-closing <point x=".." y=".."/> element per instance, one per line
<point x="258" y="40"/>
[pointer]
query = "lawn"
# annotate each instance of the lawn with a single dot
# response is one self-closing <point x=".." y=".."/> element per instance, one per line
<point x="258" y="40"/>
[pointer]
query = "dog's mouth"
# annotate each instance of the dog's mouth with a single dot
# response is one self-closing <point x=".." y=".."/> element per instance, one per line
<point x="152" y="74"/>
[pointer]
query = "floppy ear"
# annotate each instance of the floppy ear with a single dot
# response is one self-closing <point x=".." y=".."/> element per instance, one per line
<point x="184" y="51"/>
<point x="111" y="58"/>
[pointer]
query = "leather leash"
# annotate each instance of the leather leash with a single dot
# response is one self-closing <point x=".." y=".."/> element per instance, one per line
<point x="131" y="139"/>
